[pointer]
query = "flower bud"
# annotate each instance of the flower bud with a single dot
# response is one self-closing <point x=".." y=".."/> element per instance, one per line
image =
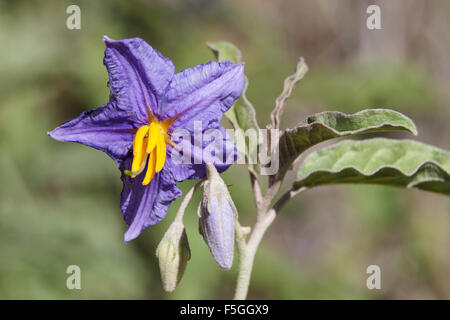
<point x="217" y="214"/>
<point x="173" y="253"/>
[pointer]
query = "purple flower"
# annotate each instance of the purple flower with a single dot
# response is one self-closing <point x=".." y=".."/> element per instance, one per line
<point x="148" y="101"/>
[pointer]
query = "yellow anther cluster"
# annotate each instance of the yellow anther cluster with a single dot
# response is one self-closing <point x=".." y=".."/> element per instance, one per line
<point x="149" y="144"/>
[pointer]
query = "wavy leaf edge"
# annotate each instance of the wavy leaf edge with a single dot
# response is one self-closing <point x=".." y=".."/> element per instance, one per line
<point x="304" y="123"/>
<point x="408" y="174"/>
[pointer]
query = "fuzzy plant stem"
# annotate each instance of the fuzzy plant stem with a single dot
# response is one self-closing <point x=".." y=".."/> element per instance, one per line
<point x="264" y="218"/>
<point x="246" y="254"/>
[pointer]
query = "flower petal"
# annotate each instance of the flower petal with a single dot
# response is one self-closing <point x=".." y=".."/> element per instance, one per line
<point x="143" y="206"/>
<point x="203" y="92"/>
<point x="105" y="128"/>
<point x="138" y="75"/>
<point x="215" y="147"/>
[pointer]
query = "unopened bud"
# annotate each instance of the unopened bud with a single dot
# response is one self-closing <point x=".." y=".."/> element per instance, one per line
<point x="217" y="214"/>
<point x="173" y="253"/>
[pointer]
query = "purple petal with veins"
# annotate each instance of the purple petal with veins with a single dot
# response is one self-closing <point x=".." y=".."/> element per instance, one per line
<point x="143" y="84"/>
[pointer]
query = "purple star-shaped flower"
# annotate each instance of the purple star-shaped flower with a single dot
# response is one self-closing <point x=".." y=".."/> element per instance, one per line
<point x="148" y="102"/>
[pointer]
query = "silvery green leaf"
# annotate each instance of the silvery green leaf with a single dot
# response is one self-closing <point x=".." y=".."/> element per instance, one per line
<point x="332" y="124"/>
<point x="224" y="50"/>
<point x="400" y="163"/>
<point x="173" y="253"/>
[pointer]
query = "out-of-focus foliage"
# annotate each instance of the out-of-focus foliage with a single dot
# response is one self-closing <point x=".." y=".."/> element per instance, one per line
<point x="59" y="202"/>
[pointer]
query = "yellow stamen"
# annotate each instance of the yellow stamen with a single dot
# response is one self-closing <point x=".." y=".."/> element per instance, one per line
<point x="139" y="148"/>
<point x="140" y="134"/>
<point x="150" y="144"/>
<point x="153" y="133"/>
<point x="150" y="169"/>
<point x="160" y="152"/>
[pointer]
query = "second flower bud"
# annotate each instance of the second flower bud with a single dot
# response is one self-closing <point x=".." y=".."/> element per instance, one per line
<point x="217" y="218"/>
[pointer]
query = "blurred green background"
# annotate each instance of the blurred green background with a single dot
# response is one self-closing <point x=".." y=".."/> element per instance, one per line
<point x="59" y="201"/>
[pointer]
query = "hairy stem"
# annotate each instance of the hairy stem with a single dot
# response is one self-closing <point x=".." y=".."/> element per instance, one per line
<point x="187" y="198"/>
<point x="247" y="249"/>
<point x="247" y="252"/>
<point x="257" y="193"/>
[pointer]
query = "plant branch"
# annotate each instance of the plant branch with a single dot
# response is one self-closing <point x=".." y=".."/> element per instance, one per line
<point x="270" y="194"/>
<point x="257" y="193"/>
<point x="247" y="249"/>
<point x="285" y="197"/>
<point x="247" y="252"/>
<point x="187" y="198"/>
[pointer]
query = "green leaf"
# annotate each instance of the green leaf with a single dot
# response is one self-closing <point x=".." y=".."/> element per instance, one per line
<point x="225" y="51"/>
<point x="332" y="124"/>
<point x="242" y="113"/>
<point x="289" y="85"/>
<point x="400" y="163"/>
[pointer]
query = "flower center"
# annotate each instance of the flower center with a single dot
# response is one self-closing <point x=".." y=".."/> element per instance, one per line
<point x="150" y="144"/>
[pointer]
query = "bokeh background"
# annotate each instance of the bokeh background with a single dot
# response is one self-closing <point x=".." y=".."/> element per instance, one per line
<point x="59" y="201"/>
